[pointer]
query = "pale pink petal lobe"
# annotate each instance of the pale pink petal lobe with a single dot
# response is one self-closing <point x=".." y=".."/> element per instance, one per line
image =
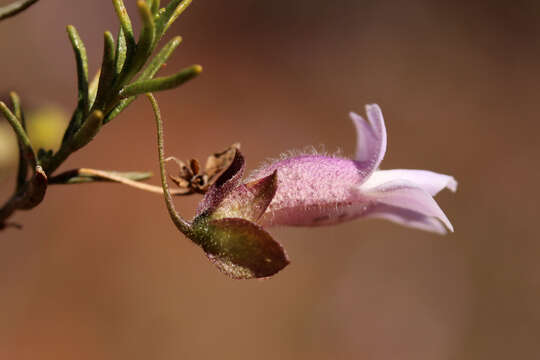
<point x="371" y="139"/>
<point x="406" y="217"/>
<point x="406" y="195"/>
<point x="430" y="181"/>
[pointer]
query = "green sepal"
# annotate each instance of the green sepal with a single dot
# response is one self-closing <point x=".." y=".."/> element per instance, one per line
<point x="238" y="247"/>
<point x="248" y="201"/>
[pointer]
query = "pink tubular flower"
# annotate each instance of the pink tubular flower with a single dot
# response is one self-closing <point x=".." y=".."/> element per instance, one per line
<point x="315" y="190"/>
<point x="322" y="190"/>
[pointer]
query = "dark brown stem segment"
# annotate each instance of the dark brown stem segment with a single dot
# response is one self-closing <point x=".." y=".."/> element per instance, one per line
<point x="30" y="192"/>
<point x="29" y="197"/>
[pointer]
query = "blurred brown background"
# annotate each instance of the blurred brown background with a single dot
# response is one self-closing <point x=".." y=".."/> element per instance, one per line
<point x="100" y="272"/>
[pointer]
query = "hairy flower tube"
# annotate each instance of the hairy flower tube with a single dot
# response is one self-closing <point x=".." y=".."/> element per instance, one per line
<point x="311" y="190"/>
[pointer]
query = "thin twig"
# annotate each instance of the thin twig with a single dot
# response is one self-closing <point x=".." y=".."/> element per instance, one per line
<point x="105" y="175"/>
<point x="15" y="8"/>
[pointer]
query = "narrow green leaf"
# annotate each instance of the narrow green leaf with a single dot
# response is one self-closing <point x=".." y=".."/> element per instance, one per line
<point x="108" y="71"/>
<point x="145" y="45"/>
<point x="160" y="59"/>
<point x="82" y="67"/>
<point x="124" y="103"/>
<point x="17" y="109"/>
<point x="15" y="8"/>
<point x="169" y="15"/>
<point x="162" y="83"/>
<point x="148" y="73"/>
<point x="74" y="124"/>
<point x="24" y="142"/>
<point x="155" y="7"/>
<point x="22" y="171"/>
<point x="143" y="50"/>
<point x="88" y="130"/>
<point x="121" y="51"/>
<point x="125" y="23"/>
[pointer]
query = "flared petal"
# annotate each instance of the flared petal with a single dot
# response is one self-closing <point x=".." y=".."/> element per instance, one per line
<point x="406" y="195"/>
<point x="430" y="181"/>
<point x="406" y="217"/>
<point x="371" y="139"/>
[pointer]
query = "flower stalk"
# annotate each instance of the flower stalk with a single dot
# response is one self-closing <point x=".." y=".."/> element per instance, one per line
<point x="182" y="225"/>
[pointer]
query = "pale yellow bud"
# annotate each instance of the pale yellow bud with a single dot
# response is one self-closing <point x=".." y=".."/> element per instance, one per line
<point x="9" y="152"/>
<point x="46" y="126"/>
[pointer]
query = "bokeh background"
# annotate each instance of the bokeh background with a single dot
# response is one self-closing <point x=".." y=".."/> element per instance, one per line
<point x="100" y="272"/>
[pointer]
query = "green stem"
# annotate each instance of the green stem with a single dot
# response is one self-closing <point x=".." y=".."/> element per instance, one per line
<point x="182" y="225"/>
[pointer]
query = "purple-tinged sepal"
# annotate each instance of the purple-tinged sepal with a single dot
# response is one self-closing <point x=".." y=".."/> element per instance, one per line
<point x="238" y="247"/>
<point x="248" y="201"/>
<point x="224" y="184"/>
<point x="226" y="230"/>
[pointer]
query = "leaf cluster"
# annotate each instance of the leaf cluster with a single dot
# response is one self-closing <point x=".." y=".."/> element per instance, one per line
<point x="128" y="69"/>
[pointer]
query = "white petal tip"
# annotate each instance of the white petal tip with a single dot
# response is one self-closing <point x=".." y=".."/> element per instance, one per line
<point x="373" y="106"/>
<point x="446" y="222"/>
<point x="355" y="117"/>
<point x="452" y="184"/>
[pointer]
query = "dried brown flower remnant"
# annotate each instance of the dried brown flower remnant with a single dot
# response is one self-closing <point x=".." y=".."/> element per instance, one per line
<point x="192" y="179"/>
